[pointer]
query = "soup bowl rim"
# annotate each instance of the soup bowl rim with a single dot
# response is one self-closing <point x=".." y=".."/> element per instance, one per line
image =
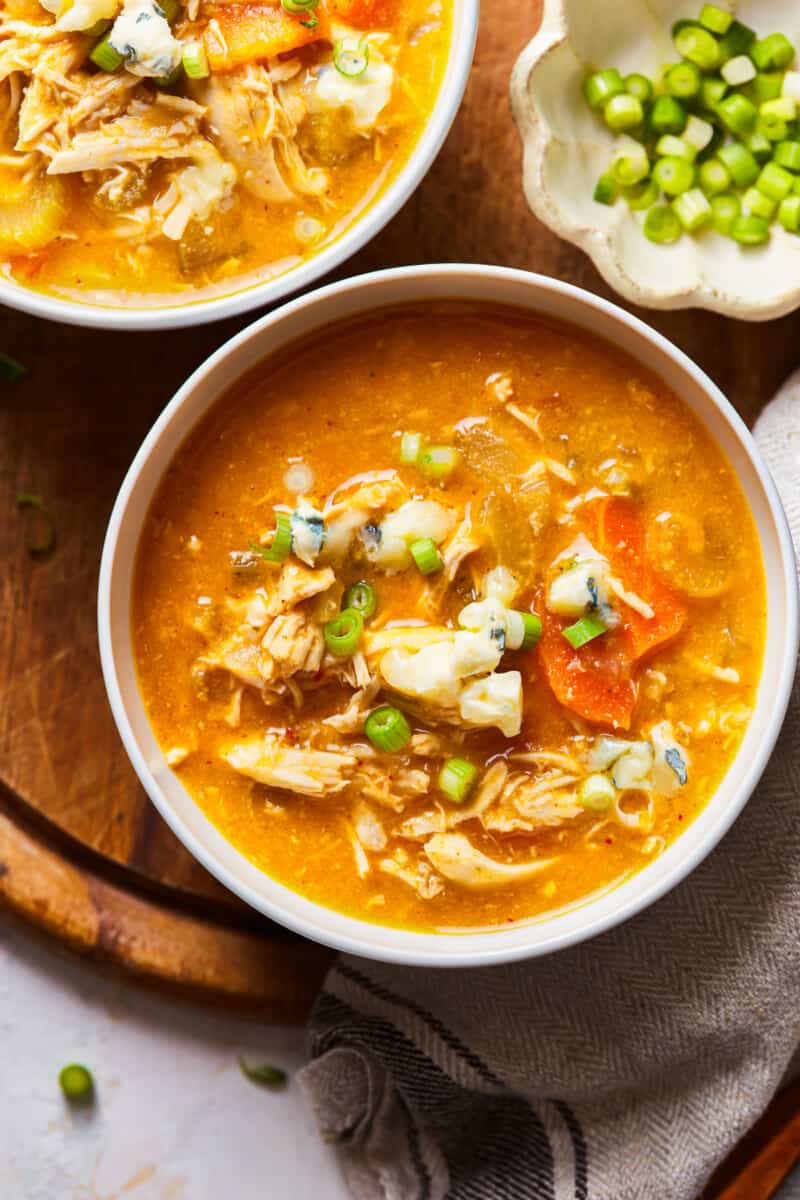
<point x="261" y="293"/>
<point x="597" y="913"/>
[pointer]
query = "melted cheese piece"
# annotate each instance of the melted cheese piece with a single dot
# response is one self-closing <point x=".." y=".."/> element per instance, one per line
<point x="412" y="520"/>
<point x="366" y="95"/>
<point x="435" y="674"/>
<point x="495" y="700"/>
<point x="142" y="35"/>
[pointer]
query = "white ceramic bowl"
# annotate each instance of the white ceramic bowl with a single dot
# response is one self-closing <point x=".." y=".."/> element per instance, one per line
<point x="300" y="318"/>
<point x="259" y="295"/>
<point x="567" y="147"/>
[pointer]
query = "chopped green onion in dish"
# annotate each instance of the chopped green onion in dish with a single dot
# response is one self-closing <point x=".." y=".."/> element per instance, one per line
<point x="721" y="122"/>
<point x="10" y="369"/>
<point x="599" y="88"/>
<point x="40" y="533"/>
<point x="437" y="462"/>
<point x="596" y="793"/>
<point x="533" y="624"/>
<point x="265" y="1074"/>
<point x="410" y="448"/>
<point x="457" y="779"/>
<point x="164" y="82"/>
<point x="361" y="596"/>
<point x="343" y="634"/>
<point x="351" y="60"/>
<point x="426" y="555"/>
<point x="606" y="190"/>
<point x="789" y="214"/>
<point x="693" y="210"/>
<point x="76" y="1083"/>
<point x="281" y="546"/>
<point x="725" y="208"/>
<point x="104" y="55"/>
<point x="661" y="225"/>
<point x="750" y="230"/>
<point x="585" y="630"/>
<point x="388" y="729"/>
<point x="195" y="61"/>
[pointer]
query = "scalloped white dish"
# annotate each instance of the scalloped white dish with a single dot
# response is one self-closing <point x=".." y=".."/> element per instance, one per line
<point x="566" y="148"/>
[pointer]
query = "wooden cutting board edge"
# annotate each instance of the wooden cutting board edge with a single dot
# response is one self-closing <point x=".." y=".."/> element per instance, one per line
<point x="76" y="901"/>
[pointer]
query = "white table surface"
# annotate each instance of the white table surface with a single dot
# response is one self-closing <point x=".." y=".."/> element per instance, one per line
<point x="174" y="1117"/>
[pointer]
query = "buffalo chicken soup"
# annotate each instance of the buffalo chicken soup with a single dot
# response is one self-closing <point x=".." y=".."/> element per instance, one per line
<point x="449" y="617"/>
<point x="197" y="146"/>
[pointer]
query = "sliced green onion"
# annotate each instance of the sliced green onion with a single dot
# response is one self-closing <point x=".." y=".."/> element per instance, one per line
<point x="736" y="40"/>
<point x="767" y="85"/>
<point x="698" y="133"/>
<point x="738" y="71"/>
<point x="281" y="544"/>
<point x="662" y="226"/>
<point x="104" y="55"/>
<point x="343" y="633"/>
<point x="10" y="369"/>
<point x="699" y="46"/>
<point x="714" y="177"/>
<point x="76" y="1083"/>
<point x="693" y="209"/>
<point x="350" y="61"/>
<point x="426" y="556"/>
<point x="40" y="532"/>
<point x="740" y="162"/>
<point x="597" y="793"/>
<point x="533" y="625"/>
<point x="641" y="195"/>
<point x="789" y="214"/>
<point x="673" y="175"/>
<point x="387" y="728"/>
<point x="437" y="462"/>
<point x="265" y="1074"/>
<point x="772" y="53"/>
<point x="667" y="115"/>
<point x="759" y="146"/>
<point x="787" y="155"/>
<point x="361" y="596"/>
<point x="711" y="92"/>
<point x="759" y="205"/>
<point x="670" y="146"/>
<point x="623" y="112"/>
<point x="587" y="628"/>
<point x="638" y="86"/>
<point x="683" y="80"/>
<point x="783" y="108"/>
<point x="709" y="150"/>
<point x="457" y="779"/>
<point x="775" y="182"/>
<point x="298" y="7"/>
<point x="600" y="87"/>
<point x="715" y="19"/>
<point x="749" y="230"/>
<point x="606" y="189"/>
<point x="725" y="209"/>
<point x="195" y="60"/>
<point x="410" y="447"/>
<point x="631" y="164"/>
<point x="738" y="113"/>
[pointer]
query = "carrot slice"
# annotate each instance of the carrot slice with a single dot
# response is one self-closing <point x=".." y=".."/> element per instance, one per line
<point x="594" y="682"/>
<point x="621" y="538"/>
<point x="363" y="14"/>
<point x="253" y="32"/>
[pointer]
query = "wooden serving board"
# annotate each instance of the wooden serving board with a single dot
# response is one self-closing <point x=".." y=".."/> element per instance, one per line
<point x="82" y="852"/>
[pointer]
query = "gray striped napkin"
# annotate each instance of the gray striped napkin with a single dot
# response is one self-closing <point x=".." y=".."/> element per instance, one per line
<point x="622" y="1069"/>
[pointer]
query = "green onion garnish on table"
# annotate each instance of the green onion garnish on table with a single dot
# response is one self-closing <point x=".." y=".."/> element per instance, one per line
<point x="40" y="531"/>
<point x="716" y="129"/>
<point x="76" y="1083"/>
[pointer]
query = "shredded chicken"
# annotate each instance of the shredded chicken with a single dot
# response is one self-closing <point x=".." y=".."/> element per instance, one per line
<point x="454" y="856"/>
<point x="274" y="761"/>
